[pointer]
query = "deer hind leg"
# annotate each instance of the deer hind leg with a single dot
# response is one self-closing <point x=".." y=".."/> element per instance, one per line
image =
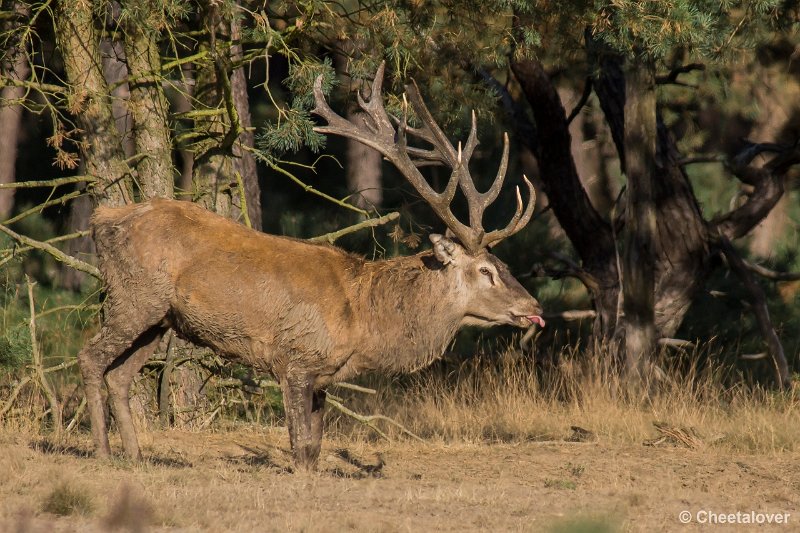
<point x="117" y="337"/>
<point x="298" y="401"/>
<point x="118" y="381"/>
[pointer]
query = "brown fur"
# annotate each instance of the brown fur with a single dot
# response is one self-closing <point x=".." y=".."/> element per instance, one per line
<point x="310" y="314"/>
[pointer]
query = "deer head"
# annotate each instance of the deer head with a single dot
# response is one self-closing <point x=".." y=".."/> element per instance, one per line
<point x="465" y="249"/>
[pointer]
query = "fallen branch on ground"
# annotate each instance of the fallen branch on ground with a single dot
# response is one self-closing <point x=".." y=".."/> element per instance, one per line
<point x="369" y="420"/>
<point x="332" y="400"/>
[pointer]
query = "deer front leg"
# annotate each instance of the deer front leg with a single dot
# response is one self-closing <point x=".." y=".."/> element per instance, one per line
<point x="298" y="402"/>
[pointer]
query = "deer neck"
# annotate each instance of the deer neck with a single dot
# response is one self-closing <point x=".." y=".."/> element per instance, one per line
<point x="412" y="309"/>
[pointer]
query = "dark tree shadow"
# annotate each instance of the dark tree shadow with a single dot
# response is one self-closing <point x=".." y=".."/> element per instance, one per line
<point x="260" y="458"/>
<point x="167" y="461"/>
<point x="49" y="447"/>
<point x="364" y="470"/>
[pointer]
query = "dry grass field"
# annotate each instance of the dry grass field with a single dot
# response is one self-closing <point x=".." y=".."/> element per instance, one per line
<point x="239" y="481"/>
<point x="498" y="454"/>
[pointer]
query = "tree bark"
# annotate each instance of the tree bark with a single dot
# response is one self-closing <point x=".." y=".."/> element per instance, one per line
<point x="363" y="169"/>
<point x="681" y="248"/>
<point x="590" y="234"/>
<point x="101" y="146"/>
<point x="214" y="180"/>
<point x="363" y="165"/>
<point x="244" y="161"/>
<point x="15" y="67"/>
<point x="638" y="283"/>
<point x="147" y="103"/>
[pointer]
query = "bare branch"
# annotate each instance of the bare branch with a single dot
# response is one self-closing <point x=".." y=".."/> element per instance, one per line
<point x="587" y="92"/>
<point x="767" y="182"/>
<point x="676" y="343"/>
<point x="13" y="396"/>
<point x="68" y="260"/>
<point x="369" y="420"/>
<point x="55" y="407"/>
<point x="700" y="159"/>
<point x="371" y="223"/>
<point x="672" y="77"/>
<point x="758" y="304"/>
<point x="62" y="200"/>
<point x="770" y="274"/>
<point x="47" y="183"/>
<point x="573" y="315"/>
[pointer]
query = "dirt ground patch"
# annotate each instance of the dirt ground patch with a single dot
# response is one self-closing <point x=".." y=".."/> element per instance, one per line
<point x="241" y="481"/>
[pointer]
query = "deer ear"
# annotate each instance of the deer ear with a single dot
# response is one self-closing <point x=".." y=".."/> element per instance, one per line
<point x="445" y="250"/>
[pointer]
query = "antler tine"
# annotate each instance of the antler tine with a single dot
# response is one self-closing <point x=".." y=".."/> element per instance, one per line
<point x="478" y="202"/>
<point x="374" y="106"/>
<point x="491" y="195"/>
<point x="381" y="139"/>
<point x="472" y="140"/>
<point x="518" y="221"/>
<point x="437" y="137"/>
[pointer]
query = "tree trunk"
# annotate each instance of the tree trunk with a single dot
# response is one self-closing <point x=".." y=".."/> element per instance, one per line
<point x="681" y="246"/>
<point x="148" y="104"/>
<point x="682" y="254"/>
<point x="363" y="165"/>
<point x="101" y="147"/>
<point x="638" y="282"/>
<point x="772" y="97"/>
<point x="363" y="168"/>
<point x="214" y="180"/>
<point x="590" y="234"/>
<point x="14" y="67"/>
<point x="244" y="162"/>
<point x="182" y="102"/>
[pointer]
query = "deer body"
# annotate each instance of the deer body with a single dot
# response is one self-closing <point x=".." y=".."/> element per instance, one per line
<point x="273" y="301"/>
<point x="310" y="314"/>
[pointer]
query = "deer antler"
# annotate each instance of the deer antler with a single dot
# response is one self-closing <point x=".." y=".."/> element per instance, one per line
<point x="380" y="134"/>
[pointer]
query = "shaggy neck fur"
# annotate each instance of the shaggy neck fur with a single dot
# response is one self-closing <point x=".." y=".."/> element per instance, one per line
<point x="413" y="309"/>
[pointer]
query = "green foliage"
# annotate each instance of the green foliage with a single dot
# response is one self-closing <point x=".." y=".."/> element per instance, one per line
<point x="15" y="348"/>
<point x="705" y="28"/>
<point x="302" y="77"/>
<point x="153" y="15"/>
<point x="294" y="131"/>
<point x="294" y="128"/>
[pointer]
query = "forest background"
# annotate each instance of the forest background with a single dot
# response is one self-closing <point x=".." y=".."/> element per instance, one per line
<point x="662" y="137"/>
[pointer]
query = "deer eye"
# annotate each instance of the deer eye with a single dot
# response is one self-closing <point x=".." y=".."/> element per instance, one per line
<point x="486" y="272"/>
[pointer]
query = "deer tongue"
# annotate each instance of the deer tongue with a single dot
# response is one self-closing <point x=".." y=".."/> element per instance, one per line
<point x="536" y="319"/>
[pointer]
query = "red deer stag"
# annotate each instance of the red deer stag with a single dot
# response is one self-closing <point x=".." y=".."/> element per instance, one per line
<point x="310" y="314"/>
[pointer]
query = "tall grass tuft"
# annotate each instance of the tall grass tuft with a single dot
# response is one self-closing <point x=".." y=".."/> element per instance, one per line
<point x="511" y="399"/>
<point x="66" y="499"/>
